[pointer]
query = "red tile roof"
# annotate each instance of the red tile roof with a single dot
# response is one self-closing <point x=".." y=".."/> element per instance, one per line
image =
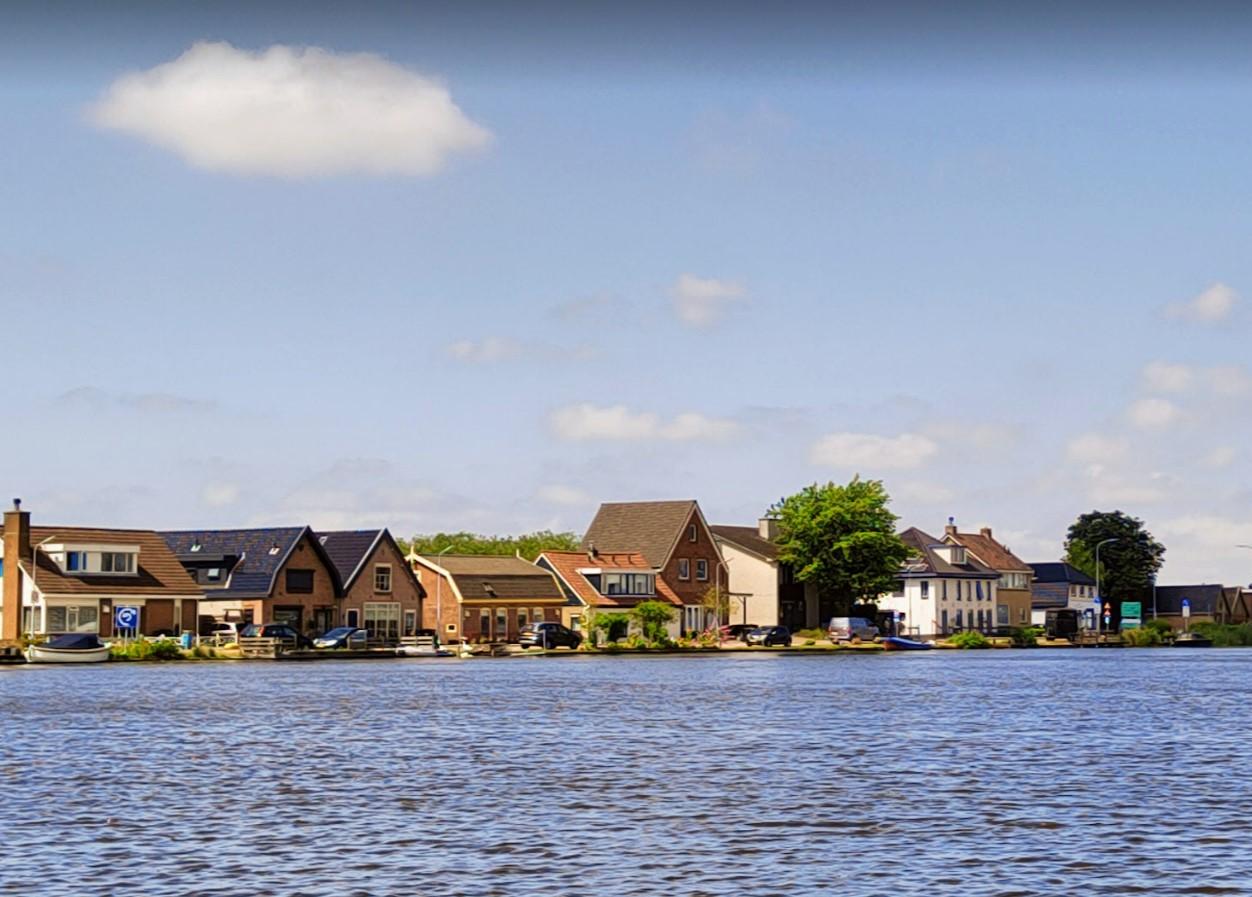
<point x="568" y="563"/>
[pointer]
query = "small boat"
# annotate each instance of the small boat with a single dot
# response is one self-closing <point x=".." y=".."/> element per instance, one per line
<point x="899" y="643"/>
<point x="1192" y="640"/>
<point x="69" y="649"/>
<point x="423" y="646"/>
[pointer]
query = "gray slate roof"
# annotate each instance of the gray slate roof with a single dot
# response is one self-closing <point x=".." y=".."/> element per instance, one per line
<point x="347" y="550"/>
<point x="927" y="562"/>
<point x="649" y="527"/>
<point x="258" y="562"/>
<point x="1060" y="571"/>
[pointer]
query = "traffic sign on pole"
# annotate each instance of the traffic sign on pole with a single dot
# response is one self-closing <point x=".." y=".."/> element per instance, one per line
<point x="125" y="617"/>
<point x="1186" y="608"/>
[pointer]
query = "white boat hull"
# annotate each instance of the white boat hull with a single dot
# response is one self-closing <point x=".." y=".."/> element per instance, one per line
<point x="44" y="654"/>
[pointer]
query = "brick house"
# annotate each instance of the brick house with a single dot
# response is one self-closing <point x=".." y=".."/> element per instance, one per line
<point x="1013" y="595"/>
<point x="596" y="581"/>
<point x="270" y="575"/>
<point x="482" y="598"/>
<point x="67" y="579"/>
<point x="675" y="540"/>
<point x="379" y="591"/>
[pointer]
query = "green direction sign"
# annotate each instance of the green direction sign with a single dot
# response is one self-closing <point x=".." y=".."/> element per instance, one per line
<point x="1132" y="614"/>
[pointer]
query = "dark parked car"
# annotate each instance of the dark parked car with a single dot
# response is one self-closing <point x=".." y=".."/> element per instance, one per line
<point x="276" y="630"/>
<point x="548" y="635"/>
<point x="738" y="631"/>
<point x="342" y="637"/>
<point x="769" y="636"/>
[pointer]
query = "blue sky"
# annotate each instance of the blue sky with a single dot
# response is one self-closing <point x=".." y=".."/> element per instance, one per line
<point x="997" y="259"/>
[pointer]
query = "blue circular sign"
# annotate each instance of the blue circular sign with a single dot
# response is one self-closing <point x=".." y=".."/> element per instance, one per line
<point x="126" y="618"/>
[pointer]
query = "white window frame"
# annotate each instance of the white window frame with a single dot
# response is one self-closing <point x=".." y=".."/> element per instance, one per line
<point x="381" y="570"/>
<point x="702" y="570"/>
<point x="388" y="612"/>
<point x="684" y="569"/>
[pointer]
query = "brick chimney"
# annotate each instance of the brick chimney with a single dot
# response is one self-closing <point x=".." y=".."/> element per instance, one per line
<point x="768" y="528"/>
<point x="950" y="529"/>
<point x="985" y="532"/>
<point x="16" y="548"/>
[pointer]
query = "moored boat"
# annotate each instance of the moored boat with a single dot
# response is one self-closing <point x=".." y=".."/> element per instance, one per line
<point x="69" y="649"/>
<point x="899" y="643"/>
<point x="1192" y="640"/>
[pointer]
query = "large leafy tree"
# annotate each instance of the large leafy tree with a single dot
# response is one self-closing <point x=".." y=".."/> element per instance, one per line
<point x="842" y="539"/>
<point x="1127" y="566"/>
<point x="528" y="544"/>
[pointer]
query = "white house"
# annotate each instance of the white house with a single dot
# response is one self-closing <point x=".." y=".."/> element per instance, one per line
<point x="1058" y="584"/>
<point x="762" y="590"/>
<point x="942" y="589"/>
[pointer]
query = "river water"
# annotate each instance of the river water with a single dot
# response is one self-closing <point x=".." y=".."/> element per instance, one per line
<point x="1005" y="772"/>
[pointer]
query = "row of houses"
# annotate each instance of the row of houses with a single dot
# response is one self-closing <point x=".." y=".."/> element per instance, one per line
<point x="72" y="580"/>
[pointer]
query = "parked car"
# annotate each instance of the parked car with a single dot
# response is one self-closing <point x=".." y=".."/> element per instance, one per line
<point x="276" y="630"/>
<point x="769" y="636"/>
<point x="738" y="631"/>
<point x="222" y="632"/>
<point x="342" y="637"/>
<point x="548" y="635"/>
<point x="846" y="629"/>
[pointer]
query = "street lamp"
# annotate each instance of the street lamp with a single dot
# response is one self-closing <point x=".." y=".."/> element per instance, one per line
<point x="1097" y="560"/>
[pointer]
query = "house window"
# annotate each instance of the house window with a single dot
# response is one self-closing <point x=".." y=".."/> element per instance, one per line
<point x="214" y="574"/>
<point x="352" y="618"/>
<point x="625" y="584"/>
<point x="702" y="570"/>
<point x="944" y="586"/>
<point x="382" y="577"/>
<point x="978" y="588"/>
<point x="959" y="619"/>
<point x="684" y="569"/>
<point x="925" y="589"/>
<point x="484" y="623"/>
<point x="410" y="622"/>
<point x="117" y="562"/>
<point x="502" y="624"/>
<point x="521" y="618"/>
<point x="300" y="582"/>
<point x="691" y="533"/>
<point x="382" y="620"/>
<point x="943" y="621"/>
<point x="73" y="618"/>
<point x="1002" y="615"/>
<point x="538" y="615"/>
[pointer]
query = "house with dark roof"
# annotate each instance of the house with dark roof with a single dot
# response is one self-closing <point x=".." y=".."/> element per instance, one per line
<point x="485" y="598"/>
<point x="263" y="575"/>
<point x="1207" y="602"/>
<point x="1059" y="584"/>
<point x="763" y="591"/>
<point x="378" y="589"/>
<point x="610" y="582"/>
<point x="675" y="539"/>
<point x="1013" y="595"/>
<point x="942" y="588"/>
<point x="60" y="580"/>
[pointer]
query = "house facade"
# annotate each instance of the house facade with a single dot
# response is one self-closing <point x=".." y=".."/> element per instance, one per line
<point x="485" y="598"/>
<point x="270" y="575"/>
<point x="1013" y="599"/>
<point x="605" y="582"/>
<point x="675" y="540"/>
<point x="763" y="591"/>
<point x="71" y="580"/>
<point x="1057" y="584"/>
<point x="942" y="589"/>
<point x="379" y="591"/>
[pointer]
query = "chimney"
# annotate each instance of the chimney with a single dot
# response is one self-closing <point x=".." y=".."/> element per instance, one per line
<point x="985" y="532"/>
<point x="768" y="528"/>
<point x="950" y="529"/>
<point x="592" y="554"/>
<point x="16" y="548"/>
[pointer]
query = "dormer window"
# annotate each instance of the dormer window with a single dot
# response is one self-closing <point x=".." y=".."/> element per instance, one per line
<point x="113" y="562"/>
<point x="274" y="549"/>
<point x="196" y="546"/>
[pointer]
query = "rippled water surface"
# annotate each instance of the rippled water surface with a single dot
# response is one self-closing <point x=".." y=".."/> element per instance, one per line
<point x="1046" y="772"/>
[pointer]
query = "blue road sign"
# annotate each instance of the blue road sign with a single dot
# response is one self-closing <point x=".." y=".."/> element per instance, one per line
<point x="125" y="618"/>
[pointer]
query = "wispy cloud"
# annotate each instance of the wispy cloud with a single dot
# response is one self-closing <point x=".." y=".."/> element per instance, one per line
<point x="1153" y="414"/>
<point x="1096" y="448"/>
<point x="1209" y="307"/>
<point x="564" y="496"/>
<point x="869" y="452"/>
<point x="1161" y="376"/>
<point x="292" y="112"/>
<point x="701" y="302"/>
<point x="492" y="350"/>
<point x="154" y="403"/>
<point x="219" y="495"/>
<point x="588" y="422"/>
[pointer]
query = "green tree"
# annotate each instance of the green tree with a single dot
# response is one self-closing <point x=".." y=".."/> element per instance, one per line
<point x="842" y="539"/>
<point x="1128" y="565"/>
<point x="612" y="625"/>
<point x="529" y="545"/>
<point x="653" y="617"/>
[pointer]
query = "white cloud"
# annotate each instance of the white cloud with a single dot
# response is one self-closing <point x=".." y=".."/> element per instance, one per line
<point x="873" y="452"/>
<point x="700" y="301"/>
<point x="1093" y="448"/>
<point x="1213" y="305"/>
<point x="1231" y="380"/>
<point x="219" y="495"/>
<point x="291" y="112"/>
<point x="1161" y="376"/>
<point x="1151" y="414"/>
<point x="1220" y="457"/>
<point x="494" y="349"/>
<point x="922" y="492"/>
<point x="585" y="422"/>
<point x="1209" y="531"/>
<point x="566" y="496"/>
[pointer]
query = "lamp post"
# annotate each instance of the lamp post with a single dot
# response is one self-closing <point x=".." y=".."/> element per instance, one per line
<point x="1098" y="593"/>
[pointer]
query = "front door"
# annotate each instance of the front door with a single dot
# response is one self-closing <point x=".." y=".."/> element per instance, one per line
<point x="324" y="619"/>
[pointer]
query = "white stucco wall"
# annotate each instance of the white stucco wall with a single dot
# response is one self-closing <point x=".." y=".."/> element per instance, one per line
<point x="924" y="616"/>
<point x="757" y="578"/>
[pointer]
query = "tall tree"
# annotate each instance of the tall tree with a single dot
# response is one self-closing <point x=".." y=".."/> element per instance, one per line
<point x="1127" y="565"/>
<point x="530" y="545"/>
<point x="842" y="539"/>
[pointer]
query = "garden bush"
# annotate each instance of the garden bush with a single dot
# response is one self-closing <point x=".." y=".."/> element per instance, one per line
<point x="970" y="639"/>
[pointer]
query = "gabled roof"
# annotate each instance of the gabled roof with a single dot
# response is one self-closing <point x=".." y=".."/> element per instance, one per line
<point x="567" y="565"/>
<point x="350" y="550"/>
<point x="158" y="574"/>
<point x="991" y="552"/>
<point x="1203" y="599"/>
<point x="481" y="577"/>
<point x="748" y="538"/>
<point x="261" y="552"/>
<point x="1061" y="571"/>
<point x="925" y="561"/>
<point x="652" y="528"/>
